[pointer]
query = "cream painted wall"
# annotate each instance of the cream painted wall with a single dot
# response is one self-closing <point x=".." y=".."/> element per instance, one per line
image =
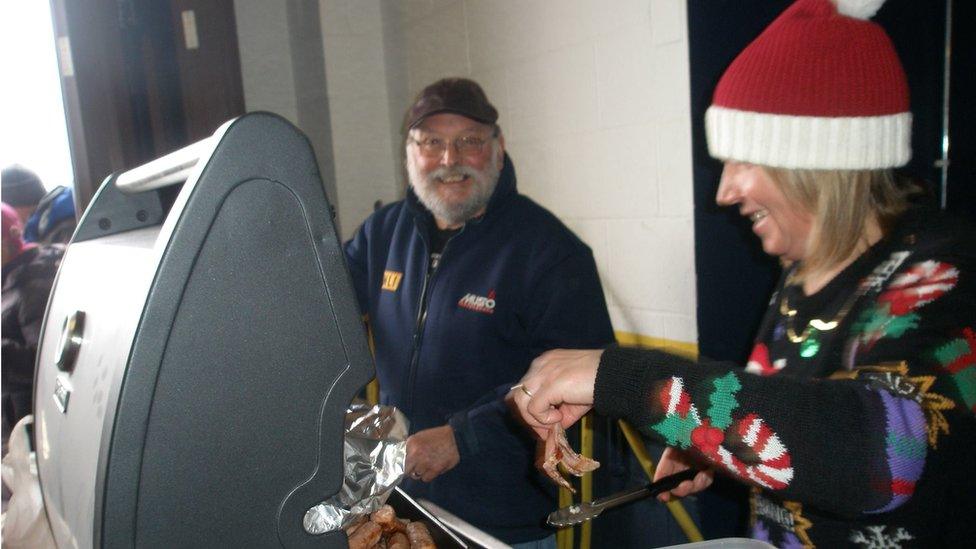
<point x="362" y="135"/>
<point x="266" y="68"/>
<point x="283" y="71"/>
<point x="594" y="103"/>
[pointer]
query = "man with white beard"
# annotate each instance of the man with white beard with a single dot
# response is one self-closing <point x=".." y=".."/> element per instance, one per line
<point x="464" y="282"/>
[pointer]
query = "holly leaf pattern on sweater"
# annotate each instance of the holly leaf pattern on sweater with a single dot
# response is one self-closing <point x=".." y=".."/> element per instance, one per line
<point x="676" y="430"/>
<point x="723" y="400"/>
<point x="683" y="427"/>
<point x="680" y="415"/>
<point x="876" y="323"/>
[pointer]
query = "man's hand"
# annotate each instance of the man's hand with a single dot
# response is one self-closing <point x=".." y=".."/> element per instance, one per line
<point x="674" y="461"/>
<point x="431" y="452"/>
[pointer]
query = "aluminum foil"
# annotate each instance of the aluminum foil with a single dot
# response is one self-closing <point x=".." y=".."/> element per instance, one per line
<point x="375" y="450"/>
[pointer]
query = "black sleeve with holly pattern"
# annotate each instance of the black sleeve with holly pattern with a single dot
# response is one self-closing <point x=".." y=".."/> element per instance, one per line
<point x="854" y="443"/>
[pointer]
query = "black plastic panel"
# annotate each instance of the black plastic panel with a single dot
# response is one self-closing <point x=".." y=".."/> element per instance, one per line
<point x="112" y="211"/>
<point x="229" y="423"/>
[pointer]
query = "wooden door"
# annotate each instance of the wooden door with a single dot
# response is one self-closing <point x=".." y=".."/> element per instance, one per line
<point x="142" y="78"/>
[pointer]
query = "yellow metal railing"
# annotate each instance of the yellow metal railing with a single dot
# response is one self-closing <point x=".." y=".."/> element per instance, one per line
<point x="373" y="389"/>
<point x="678" y="511"/>
<point x="680" y="348"/>
<point x="586" y="483"/>
<point x="373" y="392"/>
<point x="564" y="536"/>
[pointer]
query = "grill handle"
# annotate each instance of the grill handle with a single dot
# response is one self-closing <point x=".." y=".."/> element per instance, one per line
<point x="167" y="170"/>
<point x="124" y="201"/>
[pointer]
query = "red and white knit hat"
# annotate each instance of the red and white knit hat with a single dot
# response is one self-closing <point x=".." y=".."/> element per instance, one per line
<point x="820" y="88"/>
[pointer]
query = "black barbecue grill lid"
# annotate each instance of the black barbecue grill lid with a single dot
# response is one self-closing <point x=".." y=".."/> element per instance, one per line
<point x="228" y="423"/>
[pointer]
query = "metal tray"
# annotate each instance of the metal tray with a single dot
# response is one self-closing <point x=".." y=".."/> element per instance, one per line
<point x="406" y="507"/>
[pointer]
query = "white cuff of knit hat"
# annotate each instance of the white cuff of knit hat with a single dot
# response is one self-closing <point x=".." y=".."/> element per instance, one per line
<point x="809" y="142"/>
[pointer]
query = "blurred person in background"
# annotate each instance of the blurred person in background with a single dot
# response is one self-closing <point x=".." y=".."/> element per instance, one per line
<point x="22" y="189"/>
<point x="47" y="217"/>
<point x="54" y="219"/>
<point x="28" y="275"/>
<point x="853" y="421"/>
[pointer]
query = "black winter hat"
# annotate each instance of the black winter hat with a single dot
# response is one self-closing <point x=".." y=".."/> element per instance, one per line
<point x="21" y="187"/>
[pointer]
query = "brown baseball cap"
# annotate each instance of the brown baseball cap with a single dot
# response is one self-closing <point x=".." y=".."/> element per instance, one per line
<point x="455" y="95"/>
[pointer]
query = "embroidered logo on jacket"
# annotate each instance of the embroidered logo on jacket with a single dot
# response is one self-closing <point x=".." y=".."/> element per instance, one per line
<point x="391" y="280"/>
<point x="478" y="303"/>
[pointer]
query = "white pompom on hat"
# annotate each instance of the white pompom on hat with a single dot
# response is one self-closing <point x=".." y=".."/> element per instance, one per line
<point x="820" y="88"/>
<point x="859" y="9"/>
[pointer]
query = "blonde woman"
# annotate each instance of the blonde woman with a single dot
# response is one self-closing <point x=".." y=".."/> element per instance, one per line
<point x="854" y="418"/>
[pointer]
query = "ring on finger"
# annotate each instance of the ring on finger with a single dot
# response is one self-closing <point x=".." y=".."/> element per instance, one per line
<point x="415" y="474"/>
<point x="521" y="386"/>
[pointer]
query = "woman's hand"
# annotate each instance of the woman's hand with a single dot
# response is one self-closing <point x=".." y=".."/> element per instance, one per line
<point x="557" y="388"/>
<point x="674" y="461"/>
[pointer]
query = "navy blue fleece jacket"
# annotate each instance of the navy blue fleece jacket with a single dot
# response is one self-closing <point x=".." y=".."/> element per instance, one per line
<point x="509" y="286"/>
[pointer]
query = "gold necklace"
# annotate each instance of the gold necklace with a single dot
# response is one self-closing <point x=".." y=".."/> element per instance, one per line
<point x="810" y="347"/>
<point x="813" y="324"/>
<point x="873" y="282"/>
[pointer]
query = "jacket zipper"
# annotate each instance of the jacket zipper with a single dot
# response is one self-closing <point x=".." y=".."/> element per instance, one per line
<point x="422" y="317"/>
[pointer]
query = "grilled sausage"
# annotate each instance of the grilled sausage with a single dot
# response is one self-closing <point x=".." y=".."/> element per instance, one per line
<point x="386" y="517"/>
<point x="365" y="536"/>
<point x="383" y="515"/>
<point x="420" y="536"/>
<point x="398" y="540"/>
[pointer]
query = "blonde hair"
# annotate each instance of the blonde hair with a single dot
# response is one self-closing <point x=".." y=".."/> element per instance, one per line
<point x="842" y="203"/>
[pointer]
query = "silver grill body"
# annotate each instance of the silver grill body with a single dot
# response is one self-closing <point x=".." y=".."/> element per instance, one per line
<point x="67" y="444"/>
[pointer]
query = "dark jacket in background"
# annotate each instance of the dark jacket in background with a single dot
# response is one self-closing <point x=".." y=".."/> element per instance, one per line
<point x="27" y="282"/>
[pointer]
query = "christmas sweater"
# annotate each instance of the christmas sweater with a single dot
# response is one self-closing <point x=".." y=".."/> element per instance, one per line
<point x="854" y="417"/>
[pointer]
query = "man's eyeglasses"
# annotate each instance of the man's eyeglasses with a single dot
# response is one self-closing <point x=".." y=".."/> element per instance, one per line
<point x="435" y="146"/>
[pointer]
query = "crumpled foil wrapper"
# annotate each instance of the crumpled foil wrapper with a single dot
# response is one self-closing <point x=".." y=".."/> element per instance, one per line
<point x="375" y="451"/>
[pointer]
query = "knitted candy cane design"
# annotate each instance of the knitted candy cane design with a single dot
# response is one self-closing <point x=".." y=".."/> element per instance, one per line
<point x="920" y="284"/>
<point x="677" y="401"/>
<point x="773" y="470"/>
<point x="684" y="427"/>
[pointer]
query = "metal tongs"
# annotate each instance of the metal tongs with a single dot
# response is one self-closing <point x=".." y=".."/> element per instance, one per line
<point x="582" y="512"/>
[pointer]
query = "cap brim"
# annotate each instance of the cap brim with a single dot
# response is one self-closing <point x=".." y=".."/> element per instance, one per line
<point x="465" y="114"/>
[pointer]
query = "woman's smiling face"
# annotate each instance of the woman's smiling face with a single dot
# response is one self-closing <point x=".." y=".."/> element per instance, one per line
<point x="783" y="225"/>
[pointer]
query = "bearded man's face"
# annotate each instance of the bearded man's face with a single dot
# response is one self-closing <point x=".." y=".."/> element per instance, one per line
<point x="453" y="164"/>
